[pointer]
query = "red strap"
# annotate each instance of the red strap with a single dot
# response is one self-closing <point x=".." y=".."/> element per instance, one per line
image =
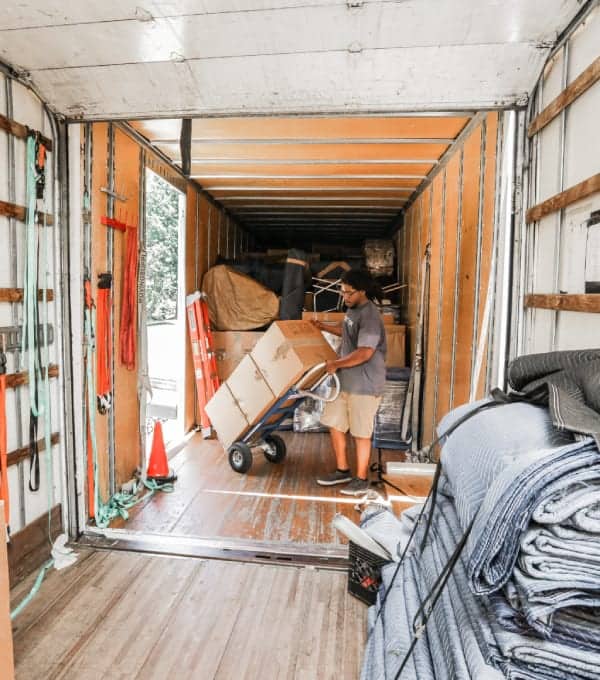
<point x="103" y="341"/>
<point x="127" y="331"/>
<point x="3" y="452"/>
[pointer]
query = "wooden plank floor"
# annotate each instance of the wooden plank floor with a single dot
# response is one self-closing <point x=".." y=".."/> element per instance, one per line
<point x="128" y="616"/>
<point x="271" y="502"/>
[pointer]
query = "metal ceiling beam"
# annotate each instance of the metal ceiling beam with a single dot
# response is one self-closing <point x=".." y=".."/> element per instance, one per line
<point x="320" y="177"/>
<point x="313" y="161"/>
<point x="322" y="140"/>
<point x="269" y="199"/>
<point x="313" y="211"/>
<point x="286" y="189"/>
<point x="302" y="206"/>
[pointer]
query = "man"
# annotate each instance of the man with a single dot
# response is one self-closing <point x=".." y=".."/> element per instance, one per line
<point x="361" y="368"/>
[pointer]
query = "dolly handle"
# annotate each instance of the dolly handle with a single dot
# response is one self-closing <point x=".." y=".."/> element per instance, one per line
<point x="310" y="393"/>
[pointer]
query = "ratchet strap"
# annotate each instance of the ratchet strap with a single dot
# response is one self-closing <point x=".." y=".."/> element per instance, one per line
<point x="104" y="342"/>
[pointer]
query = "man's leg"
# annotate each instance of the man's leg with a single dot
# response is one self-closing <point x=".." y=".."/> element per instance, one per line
<point x="363" y="456"/>
<point x="338" y="441"/>
<point x="362" y="409"/>
<point x="335" y="417"/>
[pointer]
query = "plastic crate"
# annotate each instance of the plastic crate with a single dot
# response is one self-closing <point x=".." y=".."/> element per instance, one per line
<point x="364" y="573"/>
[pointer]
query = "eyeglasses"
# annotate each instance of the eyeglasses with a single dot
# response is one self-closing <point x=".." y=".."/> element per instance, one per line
<point x="348" y="293"/>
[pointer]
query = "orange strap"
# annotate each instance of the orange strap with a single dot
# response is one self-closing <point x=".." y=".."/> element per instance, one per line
<point x="103" y="336"/>
<point x="3" y="451"/>
<point x="127" y="331"/>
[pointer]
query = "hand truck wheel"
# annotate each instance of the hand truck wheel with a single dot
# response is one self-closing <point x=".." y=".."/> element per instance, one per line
<point x="240" y="457"/>
<point x="277" y="449"/>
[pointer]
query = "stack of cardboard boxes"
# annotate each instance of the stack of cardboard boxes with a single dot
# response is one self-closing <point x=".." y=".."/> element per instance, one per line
<point x="280" y="357"/>
<point x="395" y="335"/>
<point x="256" y="369"/>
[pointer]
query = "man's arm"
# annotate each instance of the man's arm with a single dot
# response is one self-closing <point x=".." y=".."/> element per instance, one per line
<point x="356" y="358"/>
<point x="335" y="328"/>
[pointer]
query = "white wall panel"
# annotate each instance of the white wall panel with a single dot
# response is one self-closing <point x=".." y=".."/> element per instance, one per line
<point x="27" y="109"/>
<point x="549" y="155"/>
<point x="556" y="244"/>
<point x="583" y="45"/>
<point x="582" y="152"/>
<point x="545" y="238"/>
<point x="553" y="79"/>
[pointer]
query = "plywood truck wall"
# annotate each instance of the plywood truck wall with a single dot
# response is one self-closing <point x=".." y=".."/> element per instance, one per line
<point x="19" y="107"/>
<point x="558" y="306"/>
<point x="455" y="215"/>
<point x="210" y="233"/>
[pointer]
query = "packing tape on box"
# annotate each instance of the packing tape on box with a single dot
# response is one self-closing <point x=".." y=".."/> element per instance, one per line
<point x="284" y="349"/>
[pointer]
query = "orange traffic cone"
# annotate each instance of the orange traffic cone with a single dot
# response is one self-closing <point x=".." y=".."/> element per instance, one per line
<point x="158" y="465"/>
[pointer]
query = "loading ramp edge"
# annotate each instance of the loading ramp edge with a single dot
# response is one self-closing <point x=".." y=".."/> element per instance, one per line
<point x="285" y="554"/>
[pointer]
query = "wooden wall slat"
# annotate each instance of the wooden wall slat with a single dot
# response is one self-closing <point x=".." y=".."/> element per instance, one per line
<point x="565" y="303"/>
<point x="487" y="238"/>
<point x="565" y="198"/>
<point x="448" y="282"/>
<point x="29" y="548"/>
<point x="19" y="212"/>
<point x="22" y="131"/>
<point x="17" y="379"/>
<point x="99" y="237"/>
<point x="16" y="295"/>
<point x="431" y="348"/>
<point x="18" y="455"/>
<point x="467" y="268"/>
<point x="581" y="84"/>
<point x="126" y="403"/>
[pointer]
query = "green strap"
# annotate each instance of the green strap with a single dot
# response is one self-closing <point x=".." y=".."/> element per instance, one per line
<point x="33" y="592"/>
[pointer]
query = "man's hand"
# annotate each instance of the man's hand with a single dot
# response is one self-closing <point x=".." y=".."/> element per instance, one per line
<point x="317" y="324"/>
<point x="331" y="366"/>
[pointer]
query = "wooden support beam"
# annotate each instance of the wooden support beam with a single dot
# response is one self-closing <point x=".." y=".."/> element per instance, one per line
<point x="582" y="83"/>
<point x="566" y="303"/>
<point x="29" y="548"/>
<point x="17" y="379"/>
<point x="18" y="455"/>
<point x="19" y="212"/>
<point x="16" y="295"/>
<point x="21" y="131"/>
<point x="565" y="198"/>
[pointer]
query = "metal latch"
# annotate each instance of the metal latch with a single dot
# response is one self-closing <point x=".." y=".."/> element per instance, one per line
<point x="13" y="335"/>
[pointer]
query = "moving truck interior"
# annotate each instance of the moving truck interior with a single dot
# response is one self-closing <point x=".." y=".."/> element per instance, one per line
<point x="169" y="172"/>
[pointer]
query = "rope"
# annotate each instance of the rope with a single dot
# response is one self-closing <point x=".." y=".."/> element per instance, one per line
<point x="34" y="590"/>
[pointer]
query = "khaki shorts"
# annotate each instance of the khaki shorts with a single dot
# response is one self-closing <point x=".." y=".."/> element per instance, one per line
<point x="354" y="412"/>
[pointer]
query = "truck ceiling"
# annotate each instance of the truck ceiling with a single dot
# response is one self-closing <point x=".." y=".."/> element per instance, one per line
<point x="107" y="59"/>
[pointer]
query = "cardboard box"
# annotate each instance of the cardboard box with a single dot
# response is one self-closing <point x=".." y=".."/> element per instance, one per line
<point x="337" y="317"/>
<point x="226" y="417"/>
<point x="287" y="351"/>
<point x="250" y="390"/>
<point x="231" y="347"/>
<point x="396" y="346"/>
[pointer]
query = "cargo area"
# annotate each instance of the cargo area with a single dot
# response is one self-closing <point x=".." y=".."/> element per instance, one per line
<point x="182" y="189"/>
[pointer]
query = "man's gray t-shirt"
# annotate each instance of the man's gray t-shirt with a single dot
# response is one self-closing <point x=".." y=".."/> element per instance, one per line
<point x="363" y="327"/>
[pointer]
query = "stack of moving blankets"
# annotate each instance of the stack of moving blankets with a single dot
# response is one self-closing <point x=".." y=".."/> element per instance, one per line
<point x="522" y="481"/>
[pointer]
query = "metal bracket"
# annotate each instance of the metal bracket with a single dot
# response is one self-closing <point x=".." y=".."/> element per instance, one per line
<point x="13" y="336"/>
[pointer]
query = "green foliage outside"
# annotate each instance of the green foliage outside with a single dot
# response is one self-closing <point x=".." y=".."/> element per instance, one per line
<point x="162" y="228"/>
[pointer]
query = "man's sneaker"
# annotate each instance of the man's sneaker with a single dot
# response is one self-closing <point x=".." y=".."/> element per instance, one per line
<point x="336" y="477"/>
<point x="357" y="487"/>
